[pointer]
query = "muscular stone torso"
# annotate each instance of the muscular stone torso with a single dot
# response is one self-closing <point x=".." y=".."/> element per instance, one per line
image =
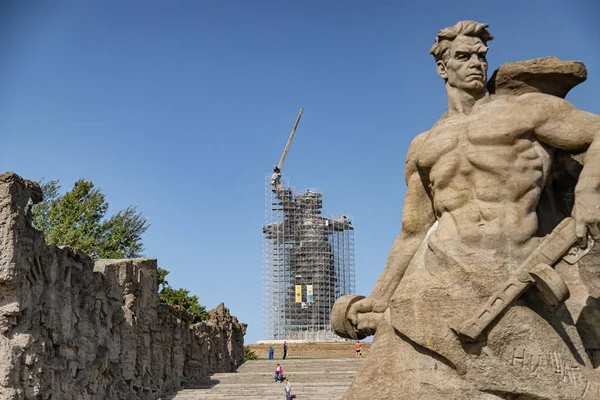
<point x="485" y="173"/>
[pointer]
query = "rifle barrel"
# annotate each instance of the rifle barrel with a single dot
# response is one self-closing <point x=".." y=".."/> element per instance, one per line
<point x="552" y="248"/>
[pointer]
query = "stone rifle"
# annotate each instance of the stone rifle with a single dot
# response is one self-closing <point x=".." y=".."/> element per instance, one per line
<point x="536" y="270"/>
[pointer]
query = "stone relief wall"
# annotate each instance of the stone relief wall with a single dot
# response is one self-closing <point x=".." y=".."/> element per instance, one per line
<point x="74" y="329"/>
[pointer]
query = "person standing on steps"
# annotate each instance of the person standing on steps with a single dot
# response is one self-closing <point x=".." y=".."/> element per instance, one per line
<point x="358" y="348"/>
<point x="288" y="389"/>
<point x="285" y="347"/>
<point x="278" y="374"/>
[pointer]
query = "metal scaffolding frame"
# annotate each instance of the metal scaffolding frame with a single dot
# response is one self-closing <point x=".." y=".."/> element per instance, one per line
<point x="308" y="263"/>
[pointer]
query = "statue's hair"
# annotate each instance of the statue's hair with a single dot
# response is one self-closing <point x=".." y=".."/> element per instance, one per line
<point x="466" y="28"/>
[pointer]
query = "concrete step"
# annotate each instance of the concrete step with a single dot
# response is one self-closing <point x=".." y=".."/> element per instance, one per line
<point x="322" y="379"/>
<point x="310" y="349"/>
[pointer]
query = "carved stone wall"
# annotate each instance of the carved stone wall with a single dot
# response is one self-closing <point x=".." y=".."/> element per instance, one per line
<point x="74" y="329"/>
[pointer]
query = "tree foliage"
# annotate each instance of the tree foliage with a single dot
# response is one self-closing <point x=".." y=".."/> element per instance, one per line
<point x="78" y="219"/>
<point x="180" y="297"/>
<point x="249" y="354"/>
<point x="162" y="275"/>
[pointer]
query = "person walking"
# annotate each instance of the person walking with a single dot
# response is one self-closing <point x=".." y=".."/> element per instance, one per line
<point x="288" y="389"/>
<point x="278" y="374"/>
<point x="285" y="347"/>
<point x="358" y="348"/>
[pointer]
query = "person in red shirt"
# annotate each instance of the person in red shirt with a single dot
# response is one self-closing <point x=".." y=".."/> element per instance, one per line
<point x="278" y="374"/>
<point x="358" y="348"/>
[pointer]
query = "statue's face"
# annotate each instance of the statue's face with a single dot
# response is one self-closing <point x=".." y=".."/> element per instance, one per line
<point x="466" y="65"/>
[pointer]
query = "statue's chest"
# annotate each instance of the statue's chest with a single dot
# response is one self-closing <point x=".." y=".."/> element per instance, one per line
<point x="456" y="137"/>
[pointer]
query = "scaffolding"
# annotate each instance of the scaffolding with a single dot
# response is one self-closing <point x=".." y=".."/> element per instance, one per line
<point x="308" y="263"/>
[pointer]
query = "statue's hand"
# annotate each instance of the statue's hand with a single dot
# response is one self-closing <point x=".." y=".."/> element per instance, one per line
<point x="365" y="314"/>
<point x="275" y="178"/>
<point x="587" y="214"/>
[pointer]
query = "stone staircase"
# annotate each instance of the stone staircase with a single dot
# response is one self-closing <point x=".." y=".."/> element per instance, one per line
<point x="325" y="379"/>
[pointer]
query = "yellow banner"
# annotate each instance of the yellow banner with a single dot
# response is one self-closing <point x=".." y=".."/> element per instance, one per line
<point x="298" y="293"/>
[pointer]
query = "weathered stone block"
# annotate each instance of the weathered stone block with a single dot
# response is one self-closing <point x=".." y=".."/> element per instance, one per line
<point x="73" y="329"/>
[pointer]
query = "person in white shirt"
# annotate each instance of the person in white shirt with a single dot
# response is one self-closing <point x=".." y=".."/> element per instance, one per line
<point x="288" y="389"/>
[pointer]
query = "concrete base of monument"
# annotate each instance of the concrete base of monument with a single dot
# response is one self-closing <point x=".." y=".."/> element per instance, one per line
<point x="313" y="350"/>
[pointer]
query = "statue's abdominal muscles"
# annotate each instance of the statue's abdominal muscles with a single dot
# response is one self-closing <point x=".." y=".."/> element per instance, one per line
<point x="485" y="182"/>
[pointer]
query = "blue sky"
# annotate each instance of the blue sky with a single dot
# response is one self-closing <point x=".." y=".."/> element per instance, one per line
<point x="182" y="107"/>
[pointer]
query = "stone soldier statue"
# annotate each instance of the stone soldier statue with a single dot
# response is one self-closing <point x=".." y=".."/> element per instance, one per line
<point x="481" y="297"/>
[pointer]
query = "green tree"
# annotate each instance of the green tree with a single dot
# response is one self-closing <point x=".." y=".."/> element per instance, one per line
<point x="78" y="219"/>
<point x="180" y="297"/>
<point x="249" y="354"/>
<point x="162" y="281"/>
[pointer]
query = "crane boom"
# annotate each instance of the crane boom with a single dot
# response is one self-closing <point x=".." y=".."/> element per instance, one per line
<point x="289" y="142"/>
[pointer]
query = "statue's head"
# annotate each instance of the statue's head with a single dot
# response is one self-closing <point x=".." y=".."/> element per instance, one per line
<point x="460" y="55"/>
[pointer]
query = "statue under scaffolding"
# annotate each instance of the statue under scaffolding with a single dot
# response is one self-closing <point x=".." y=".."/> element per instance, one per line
<point x="308" y="262"/>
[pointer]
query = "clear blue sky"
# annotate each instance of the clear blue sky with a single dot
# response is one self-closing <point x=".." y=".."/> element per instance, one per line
<point x="182" y="107"/>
